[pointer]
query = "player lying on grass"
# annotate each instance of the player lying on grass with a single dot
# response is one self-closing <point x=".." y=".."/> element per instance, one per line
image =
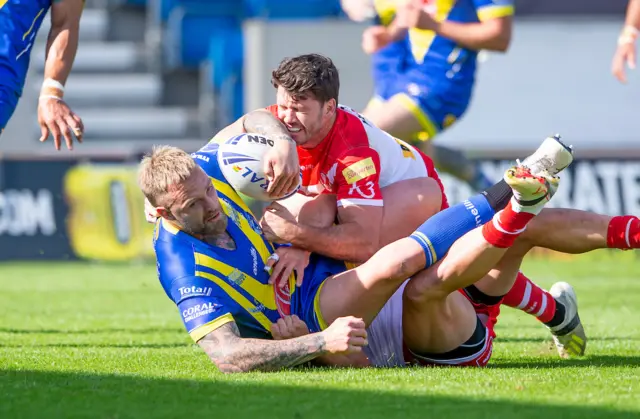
<point x="211" y="257"/>
<point x="380" y="189"/>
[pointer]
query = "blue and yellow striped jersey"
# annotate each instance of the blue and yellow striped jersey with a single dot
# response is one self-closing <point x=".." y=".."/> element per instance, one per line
<point x="20" y="21"/>
<point x="442" y="58"/>
<point x="392" y="58"/>
<point x="212" y="286"/>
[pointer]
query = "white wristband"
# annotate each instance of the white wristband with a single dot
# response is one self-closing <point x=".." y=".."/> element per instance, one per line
<point x="628" y="35"/>
<point x="55" y="84"/>
<point x="50" y="97"/>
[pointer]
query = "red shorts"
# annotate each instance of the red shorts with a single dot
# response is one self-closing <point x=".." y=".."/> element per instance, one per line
<point x="433" y="174"/>
<point x="488" y="316"/>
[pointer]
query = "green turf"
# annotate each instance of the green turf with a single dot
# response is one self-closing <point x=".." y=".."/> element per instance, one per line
<point x="103" y="341"/>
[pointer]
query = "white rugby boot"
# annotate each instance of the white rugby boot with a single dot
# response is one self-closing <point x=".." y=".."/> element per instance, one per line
<point x="552" y="156"/>
<point x="569" y="336"/>
<point x="530" y="192"/>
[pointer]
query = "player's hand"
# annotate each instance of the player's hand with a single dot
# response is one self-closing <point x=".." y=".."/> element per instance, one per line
<point x="411" y="14"/>
<point x="282" y="168"/>
<point x="55" y="117"/>
<point x="358" y="10"/>
<point x="150" y="212"/>
<point x="625" y="55"/>
<point x="278" y="224"/>
<point x="374" y="38"/>
<point x="289" y="327"/>
<point x="284" y="261"/>
<point x="346" y="335"/>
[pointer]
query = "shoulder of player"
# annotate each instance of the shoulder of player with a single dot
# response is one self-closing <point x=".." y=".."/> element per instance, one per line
<point x="175" y="254"/>
<point x="357" y="153"/>
<point x="350" y="131"/>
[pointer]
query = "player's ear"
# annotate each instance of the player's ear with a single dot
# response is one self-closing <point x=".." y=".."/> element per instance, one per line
<point x="330" y="106"/>
<point x="165" y="213"/>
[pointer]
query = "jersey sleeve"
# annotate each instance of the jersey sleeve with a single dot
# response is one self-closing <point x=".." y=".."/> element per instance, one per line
<point x="358" y="178"/>
<point x="201" y="305"/>
<point x="494" y="9"/>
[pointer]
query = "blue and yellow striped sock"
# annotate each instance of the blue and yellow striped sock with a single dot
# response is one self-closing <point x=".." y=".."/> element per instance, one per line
<point x="438" y="233"/>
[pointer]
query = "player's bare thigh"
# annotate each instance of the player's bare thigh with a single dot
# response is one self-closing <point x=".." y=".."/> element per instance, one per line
<point x="436" y="325"/>
<point x="435" y="321"/>
<point x="394" y="118"/>
<point x="364" y="290"/>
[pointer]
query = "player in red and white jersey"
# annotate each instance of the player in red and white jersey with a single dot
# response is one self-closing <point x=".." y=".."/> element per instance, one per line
<point x="375" y="187"/>
<point x="356" y="159"/>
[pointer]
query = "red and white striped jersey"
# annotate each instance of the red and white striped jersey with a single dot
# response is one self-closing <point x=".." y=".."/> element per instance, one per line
<point x="356" y="159"/>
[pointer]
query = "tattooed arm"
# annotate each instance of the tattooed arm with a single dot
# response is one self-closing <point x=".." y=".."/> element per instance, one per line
<point x="232" y="353"/>
<point x="281" y="162"/>
<point x="261" y="121"/>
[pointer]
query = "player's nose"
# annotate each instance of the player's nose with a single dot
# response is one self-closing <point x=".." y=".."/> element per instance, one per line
<point x="289" y="117"/>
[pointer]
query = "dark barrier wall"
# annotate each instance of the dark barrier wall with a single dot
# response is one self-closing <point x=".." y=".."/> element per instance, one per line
<point x="69" y="210"/>
<point x="595" y="8"/>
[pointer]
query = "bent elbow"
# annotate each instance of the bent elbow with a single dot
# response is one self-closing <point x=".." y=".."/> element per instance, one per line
<point x="501" y="39"/>
<point x="503" y="43"/>
<point x="365" y="252"/>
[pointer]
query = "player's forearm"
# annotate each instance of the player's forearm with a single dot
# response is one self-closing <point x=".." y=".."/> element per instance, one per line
<point x="396" y="32"/>
<point x="62" y="45"/>
<point x="232" y="354"/>
<point x="476" y="36"/>
<point x="633" y="14"/>
<point x="358" y="360"/>
<point x="263" y="122"/>
<point x="348" y="242"/>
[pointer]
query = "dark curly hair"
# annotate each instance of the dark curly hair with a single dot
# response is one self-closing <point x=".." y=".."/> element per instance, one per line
<point x="309" y="74"/>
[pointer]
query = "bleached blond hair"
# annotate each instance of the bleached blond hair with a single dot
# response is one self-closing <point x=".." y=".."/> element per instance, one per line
<point x="163" y="167"/>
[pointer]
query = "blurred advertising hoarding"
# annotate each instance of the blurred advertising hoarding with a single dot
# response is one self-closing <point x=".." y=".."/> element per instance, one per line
<point x="66" y="209"/>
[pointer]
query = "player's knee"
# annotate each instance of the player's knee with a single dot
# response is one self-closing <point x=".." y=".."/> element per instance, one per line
<point x="386" y="264"/>
<point x="425" y="288"/>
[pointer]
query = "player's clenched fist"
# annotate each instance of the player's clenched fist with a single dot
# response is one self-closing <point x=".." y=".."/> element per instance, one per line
<point x="346" y="335"/>
<point x="282" y="168"/>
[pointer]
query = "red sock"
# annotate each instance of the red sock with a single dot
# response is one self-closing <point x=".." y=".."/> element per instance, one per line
<point x="530" y="298"/>
<point x="505" y="227"/>
<point x="624" y="232"/>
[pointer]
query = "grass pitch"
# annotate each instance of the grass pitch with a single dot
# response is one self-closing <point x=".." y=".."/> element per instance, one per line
<point x="103" y="341"/>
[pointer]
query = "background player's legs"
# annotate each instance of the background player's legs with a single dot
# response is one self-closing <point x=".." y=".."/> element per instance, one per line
<point x="394" y="118"/>
<point x="456" y="163"/>
<point x="409" y="124"/>
<point x="374" y="105"/>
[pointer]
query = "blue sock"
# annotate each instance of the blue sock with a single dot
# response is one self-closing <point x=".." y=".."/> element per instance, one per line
<point x="438" y="233"/>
